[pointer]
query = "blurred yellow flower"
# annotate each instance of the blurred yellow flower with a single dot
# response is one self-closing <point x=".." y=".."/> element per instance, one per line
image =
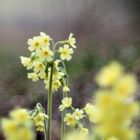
<point x="84" y="131"/>
<point x="19" y="126"/>
<point x="109" y="74"/>
<point x="92" y="112"/>
<point x="115" y="104"/>
<point x="126" y="85"/>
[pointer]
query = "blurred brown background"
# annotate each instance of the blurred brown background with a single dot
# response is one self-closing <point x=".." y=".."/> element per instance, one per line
<point x="105" y="31"/>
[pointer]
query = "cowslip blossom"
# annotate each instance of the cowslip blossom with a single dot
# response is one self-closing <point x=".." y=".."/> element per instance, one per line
<point x="70" y="119"/>
<point x="35" y="43"/>
<point x="27" y="62"/>
<point x="109" y="74"/>
<point x="39" y="121"/>
<point x="45" y="39"/>
<point x="78" y="114"/>
<point x="19" y="126"/>
<point x="66" y="52"/>
<point x="33" y="76"/>
<point x="71" y="40"/>
<point x="44" y="55"/>
<point x="114" y="105"/>
<point x="66" y="103"/>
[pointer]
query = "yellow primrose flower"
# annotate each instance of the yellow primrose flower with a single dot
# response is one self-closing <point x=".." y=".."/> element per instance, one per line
<point x="18" y="126"/>
<point x="56" y="63"/>
<point x="78" y="114"/>
<point x="45" y="39"/>
<point x="70" y="119"/>
<point x="126" y="85"/>
<point x="66" y="103"/>
<point x="39" y="121"/>
<point x="19" y="115"/>
<point x="46" y="54"/>
<point x="38" y="66"/>
<point x="66" y="89"/>
<point x="109" y="74"/>
<point x="92" y="112"/>
<point x="71" y="40"/>
<point x="66" y="52"/>
<point x="33" y="76"/>
<point x="27" y="62"/>
<point x="35" y="43"/>
<point x="42" y="75"/>
<point x="58" y="75"/>
<point x="56" y="85"/>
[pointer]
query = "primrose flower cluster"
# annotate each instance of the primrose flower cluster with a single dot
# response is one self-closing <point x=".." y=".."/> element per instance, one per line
<point x="74" y="116"/>
<point x="43" y="56"/>
<point x="113" y="108"/>
<point x="19" y="126"/>
<point x="115" y="104"/>
<point x="39" y="117"/>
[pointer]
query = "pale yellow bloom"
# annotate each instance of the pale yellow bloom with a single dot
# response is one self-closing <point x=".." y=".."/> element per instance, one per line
<point x="71" y="40"/>
<point x="33" y="76"/>
<point x="78" y="114"/>
<point x="109" y="75"/>
<point x="56" y="63"/>
<point x="45" y="39"/>
<point x="92" y="112"/>
<point x="70" y="119"/>
<point x="56" y="85"/>
<point x="66" y="103"/>
<point x="58" y="75"/>
<point x="66" y="52"/>
<point x="42" y="75"/>
<point x="66" y="89"/>
<point x="35" y="43"/>
<point x="46" y="54"/>
<point x="27" y="62"/>
<point x="38" y="66"/>
<point x="126" y="85"/>
<point x="19" y="115"/>
<point x="39" y="121"/>
<point x="19" y="126"/>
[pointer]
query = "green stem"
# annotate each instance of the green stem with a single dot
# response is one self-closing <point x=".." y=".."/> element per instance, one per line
<point x="50" y="104"/>
<point x="62" y="121"/>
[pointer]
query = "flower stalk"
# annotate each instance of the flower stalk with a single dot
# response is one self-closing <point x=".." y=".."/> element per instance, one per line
<point x="49" y="108"/>
<point x="62" y="121"/>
